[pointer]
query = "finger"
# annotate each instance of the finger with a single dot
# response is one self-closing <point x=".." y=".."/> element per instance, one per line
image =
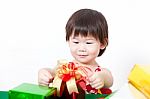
<point x="43" y="83"/>
<point x="92" y="78"/>
<point x="88" y="71"/>
<point x="95" y="76"/>
<point x="47" y="74"/>
<point x="45" y="78"/>
<point x="48" y="78"/>
<point x="97" y="81"/>
<point x="97" y="85"/>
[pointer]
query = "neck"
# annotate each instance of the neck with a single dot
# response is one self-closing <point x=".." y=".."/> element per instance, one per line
<point x="94" y="63"/>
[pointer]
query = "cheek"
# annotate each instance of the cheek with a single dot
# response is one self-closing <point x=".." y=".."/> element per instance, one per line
<point x="94" y="50"/>
<point x="72" y="48"/>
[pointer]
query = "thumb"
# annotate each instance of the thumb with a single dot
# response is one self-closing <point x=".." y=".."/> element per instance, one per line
<point x="92" y="78"/>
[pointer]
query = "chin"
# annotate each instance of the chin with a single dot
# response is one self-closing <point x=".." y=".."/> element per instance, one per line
<point x="83" y="61"/>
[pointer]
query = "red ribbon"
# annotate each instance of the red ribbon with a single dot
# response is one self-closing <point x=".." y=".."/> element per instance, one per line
<point x="72" y="75"/>
<point x="65" y="72"/>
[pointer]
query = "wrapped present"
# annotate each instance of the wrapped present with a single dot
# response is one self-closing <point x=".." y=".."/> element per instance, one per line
<point x="4" y="95"/>
<point x="32" y="91"/>
<point x="71" y="82"/>
<point x="69" y="79"/>
<point x="106" y="94"/>
<point x="95" y="96"/>
<point x="135" y="92"/>
<point x="139" y="77"/>
<point x="66" y="95"/>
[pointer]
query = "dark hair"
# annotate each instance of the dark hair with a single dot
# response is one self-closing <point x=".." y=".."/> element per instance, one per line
<point x="88" y="22"/>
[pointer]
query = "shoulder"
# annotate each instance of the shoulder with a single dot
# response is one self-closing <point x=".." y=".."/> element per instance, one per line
<point x="97" y="69"/>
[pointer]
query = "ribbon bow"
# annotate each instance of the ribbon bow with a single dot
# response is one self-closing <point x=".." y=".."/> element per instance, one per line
<point x="69" y="73"/>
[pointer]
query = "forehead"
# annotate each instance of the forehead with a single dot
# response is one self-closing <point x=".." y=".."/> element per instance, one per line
<point x="83" y="37"/>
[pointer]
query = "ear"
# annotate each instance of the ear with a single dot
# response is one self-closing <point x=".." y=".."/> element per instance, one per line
<point x="104" y="44"/>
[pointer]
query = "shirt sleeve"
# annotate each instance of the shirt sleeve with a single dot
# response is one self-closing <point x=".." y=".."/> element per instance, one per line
<point x="98" y="68"/>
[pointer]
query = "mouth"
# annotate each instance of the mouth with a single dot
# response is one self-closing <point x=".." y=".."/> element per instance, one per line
<point x="82" y="56"/>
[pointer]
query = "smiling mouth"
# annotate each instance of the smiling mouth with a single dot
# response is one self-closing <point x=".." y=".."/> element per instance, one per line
<point x="83" y="55"/>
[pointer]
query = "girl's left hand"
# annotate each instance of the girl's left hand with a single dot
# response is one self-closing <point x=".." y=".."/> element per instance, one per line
<point x="96" y="80"/>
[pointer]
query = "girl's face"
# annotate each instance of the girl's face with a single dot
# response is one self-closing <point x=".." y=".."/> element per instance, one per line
<point x="84" y="49"/>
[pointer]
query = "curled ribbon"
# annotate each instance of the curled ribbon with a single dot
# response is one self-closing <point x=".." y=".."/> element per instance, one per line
<point x="69" y="73"/>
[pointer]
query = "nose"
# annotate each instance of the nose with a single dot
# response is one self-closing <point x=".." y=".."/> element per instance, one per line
<point x="82" y="48"/>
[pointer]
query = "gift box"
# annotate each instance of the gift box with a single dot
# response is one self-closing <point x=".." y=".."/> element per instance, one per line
<point x="96" y="96"/>
<point x="139" y="77"/>
<point x="71" y="83"/>
<point x="4" y="95"/>
<point x="32" y="91"/>
<point x="136" y="93"/>
<point x="69" y="80"/>
<point x="66" y="95"/>
<point x="82" y="95"/>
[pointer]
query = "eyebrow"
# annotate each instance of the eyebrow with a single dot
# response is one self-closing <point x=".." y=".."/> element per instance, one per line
<point x="90" y="39"/>
<point x="87" y="38"/>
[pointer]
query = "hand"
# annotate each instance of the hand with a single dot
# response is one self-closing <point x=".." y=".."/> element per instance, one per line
<point x="96" y="80"/>
<point x="44" y="76"/>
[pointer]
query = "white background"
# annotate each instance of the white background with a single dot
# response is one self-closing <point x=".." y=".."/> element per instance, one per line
<point x="32" y="36"/>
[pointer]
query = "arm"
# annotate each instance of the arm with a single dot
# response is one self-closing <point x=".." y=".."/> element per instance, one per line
<point x="107" y="76"/>
<point x="45" y="76"/>
<point x="101" y="79"/>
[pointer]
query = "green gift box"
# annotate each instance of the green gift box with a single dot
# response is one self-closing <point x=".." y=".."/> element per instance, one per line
<point x="32" y="91"/>
<point x="99" y="96"/>
<point x="3" y="94"/>
<point x="95" y="96"/>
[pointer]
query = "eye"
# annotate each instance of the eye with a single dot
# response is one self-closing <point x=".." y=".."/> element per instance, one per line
<point x="76" y="42"/>
<point x="89" y="43"/>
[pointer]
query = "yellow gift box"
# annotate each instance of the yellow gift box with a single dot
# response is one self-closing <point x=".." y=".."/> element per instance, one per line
<point x="139" y="77"/>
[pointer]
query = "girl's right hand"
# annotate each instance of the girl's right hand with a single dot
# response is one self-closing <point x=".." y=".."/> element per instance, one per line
<point x="44" y="76"/>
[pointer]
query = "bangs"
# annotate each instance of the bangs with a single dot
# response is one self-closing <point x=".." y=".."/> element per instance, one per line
<point x="85" y="31"/>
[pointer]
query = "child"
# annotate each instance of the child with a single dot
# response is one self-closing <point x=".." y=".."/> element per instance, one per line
<point x="87" y="36"/>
